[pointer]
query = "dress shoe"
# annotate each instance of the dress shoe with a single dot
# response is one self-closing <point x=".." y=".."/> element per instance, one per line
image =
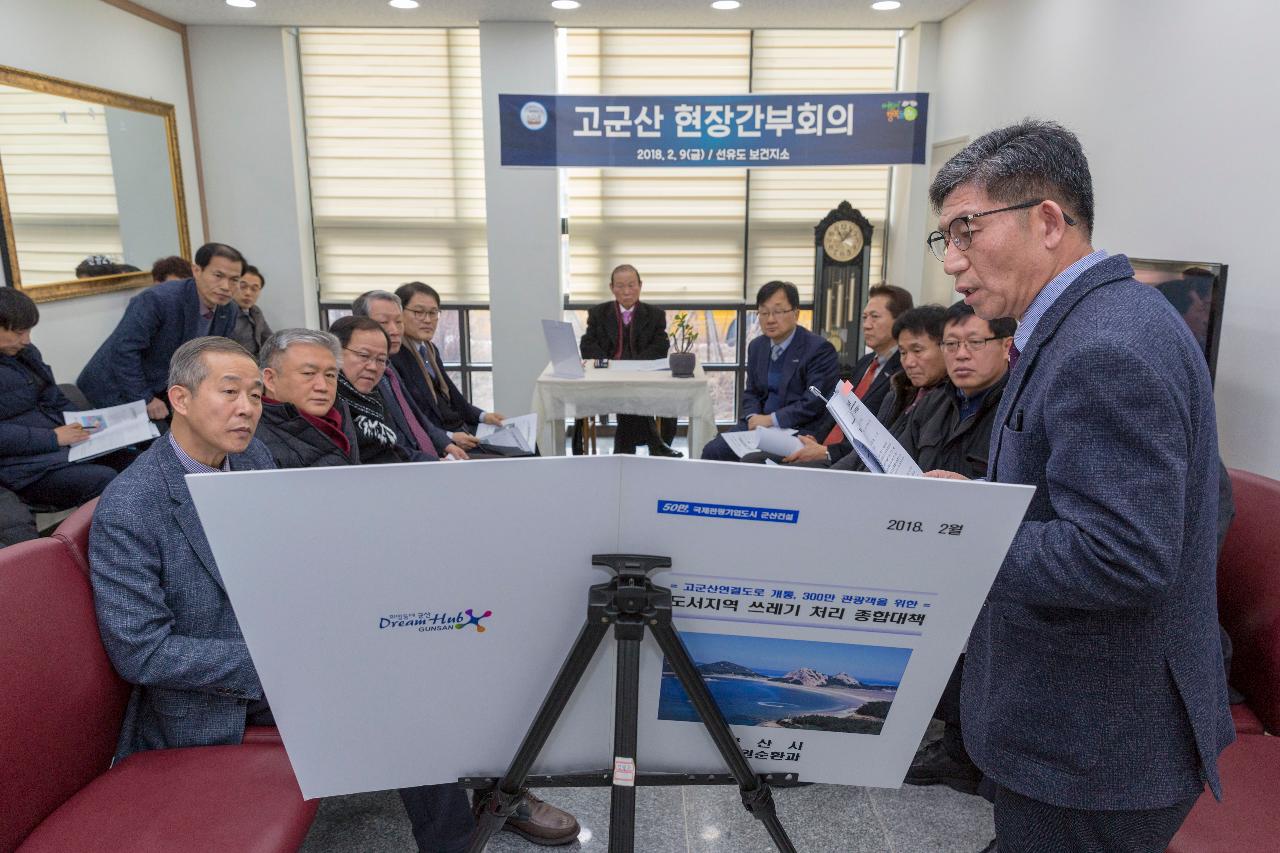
<point x="541" y="822"/>
<point x="661" y="448"/>
<point x="933" y="765"/>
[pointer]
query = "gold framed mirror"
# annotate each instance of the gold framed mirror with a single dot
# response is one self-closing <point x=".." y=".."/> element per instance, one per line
<point x="90" y="187"/>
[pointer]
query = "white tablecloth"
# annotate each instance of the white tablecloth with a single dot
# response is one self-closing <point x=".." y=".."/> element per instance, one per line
<point x="606" y="391"/>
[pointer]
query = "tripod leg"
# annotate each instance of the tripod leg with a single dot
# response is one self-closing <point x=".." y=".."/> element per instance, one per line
<point x="622" y="801"/>
<point x="500" y="804"/>
<point x="757" y="797"/>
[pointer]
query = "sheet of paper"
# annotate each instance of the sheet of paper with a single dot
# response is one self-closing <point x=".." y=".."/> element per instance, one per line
<point x="780" y="442"/>
<point x="641" y="365"/>
<point x="878" y="449"/>
<point x="520" y="432"/>
<point x="112" y="428"/>
<point x="742" y="442"/>
<point x="562" y="346"/>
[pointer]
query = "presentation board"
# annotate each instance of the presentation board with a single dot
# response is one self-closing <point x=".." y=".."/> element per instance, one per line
<point x="407" y="620"/>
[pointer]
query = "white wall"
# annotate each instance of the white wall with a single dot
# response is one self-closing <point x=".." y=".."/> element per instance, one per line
<point x="1178" y="108"/>
<point x="522" y="207"/>
<point x="87" y="41"/>
<point x="248" y="104"/>
<point x="909" y="212"/>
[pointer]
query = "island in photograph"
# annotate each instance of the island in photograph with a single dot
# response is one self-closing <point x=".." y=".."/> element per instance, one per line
<point x="793" y="684"/>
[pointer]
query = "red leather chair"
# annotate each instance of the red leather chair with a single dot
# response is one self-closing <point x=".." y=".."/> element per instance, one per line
<point x="59" y="722"/>
<point x="1249" y="596"/>
<point x="74" y="533"/>
<point x="1248" y="818"/>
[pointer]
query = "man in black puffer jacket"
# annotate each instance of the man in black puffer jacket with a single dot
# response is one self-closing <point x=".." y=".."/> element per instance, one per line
<point x="34" y="437"/>
<point x="302" y="423"/>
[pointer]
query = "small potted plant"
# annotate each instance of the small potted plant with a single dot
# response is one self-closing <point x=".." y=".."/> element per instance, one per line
<point x="683" y="335"/>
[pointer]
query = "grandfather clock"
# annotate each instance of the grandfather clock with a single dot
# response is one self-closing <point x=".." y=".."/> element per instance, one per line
<point x="842" y="257"/>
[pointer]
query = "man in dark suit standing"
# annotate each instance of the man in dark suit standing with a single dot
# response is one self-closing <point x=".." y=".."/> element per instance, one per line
<point x="626" y="328"/>
<point x="133" y="363"/>
<point x="781" y="365"/>
<point x="1093" y="692"/>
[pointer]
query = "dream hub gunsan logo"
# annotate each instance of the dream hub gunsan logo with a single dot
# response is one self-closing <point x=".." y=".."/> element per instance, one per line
<point x="473" y="619"/>
<point x="424" y="621"/>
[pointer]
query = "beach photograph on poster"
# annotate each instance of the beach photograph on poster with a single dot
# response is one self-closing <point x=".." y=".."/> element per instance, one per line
<point x="791" y="684"/>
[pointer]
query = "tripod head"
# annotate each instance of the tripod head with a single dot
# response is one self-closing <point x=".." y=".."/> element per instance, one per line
<point x="631" y="565"/>
<point x="631" y="589"/>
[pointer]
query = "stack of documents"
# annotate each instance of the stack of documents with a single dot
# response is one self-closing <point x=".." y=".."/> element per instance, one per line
<point x="875" y="445"/>
<point x="519" y="433"/>
<point x="112" y="429"/>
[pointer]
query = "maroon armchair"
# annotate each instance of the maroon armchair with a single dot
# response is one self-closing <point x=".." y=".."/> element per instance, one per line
<point x="62" y="713"/>
<point x="1248" y="818"/>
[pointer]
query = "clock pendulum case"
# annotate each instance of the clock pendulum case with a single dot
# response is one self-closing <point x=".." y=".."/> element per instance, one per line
<point x="842" y="258"/>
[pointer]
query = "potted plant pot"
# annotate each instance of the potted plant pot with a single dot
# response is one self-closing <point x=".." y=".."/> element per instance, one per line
<point x="682" y="364"/>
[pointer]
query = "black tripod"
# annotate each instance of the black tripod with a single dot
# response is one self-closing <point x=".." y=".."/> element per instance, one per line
<point x="630" y="603"/>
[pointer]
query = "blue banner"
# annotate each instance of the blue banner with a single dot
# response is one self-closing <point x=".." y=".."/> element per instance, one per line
<point x="741" y="513"/>
<point x="713" y="130"/>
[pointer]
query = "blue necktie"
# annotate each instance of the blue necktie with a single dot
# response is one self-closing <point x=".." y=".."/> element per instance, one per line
<point x="422" y="350"/>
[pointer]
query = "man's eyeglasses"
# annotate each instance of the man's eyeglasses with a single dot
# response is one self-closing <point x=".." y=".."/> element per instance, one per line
<point x="961" y="237"/>
<point x="781" y="312"/>
<point x="380" y="360"/>
<point x="975" y="345"/>
<point x="423" y="313"/>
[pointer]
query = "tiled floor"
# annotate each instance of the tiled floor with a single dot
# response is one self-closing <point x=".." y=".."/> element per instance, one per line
<point x="818" y="818"/>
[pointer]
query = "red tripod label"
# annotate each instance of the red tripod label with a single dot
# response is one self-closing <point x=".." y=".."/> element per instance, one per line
<point x="624" y="771"/>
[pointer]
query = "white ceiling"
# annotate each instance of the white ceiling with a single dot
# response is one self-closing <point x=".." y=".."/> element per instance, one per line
<point x="593" y="13"/>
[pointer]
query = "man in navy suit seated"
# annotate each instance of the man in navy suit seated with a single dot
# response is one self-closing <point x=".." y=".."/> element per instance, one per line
<point x="421" y="368"/>
<point x="133" y="362"/>
<point x="781" y="365"/>
<point x="386" y="309"/>
<point x="872" y="374"/>
<point x="1093" y="694"/>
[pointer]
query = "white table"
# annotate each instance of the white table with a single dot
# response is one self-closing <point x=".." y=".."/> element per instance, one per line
<point x="606" y="391"/>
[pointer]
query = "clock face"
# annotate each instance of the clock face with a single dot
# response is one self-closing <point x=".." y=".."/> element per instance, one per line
<point x="843" y="241"/>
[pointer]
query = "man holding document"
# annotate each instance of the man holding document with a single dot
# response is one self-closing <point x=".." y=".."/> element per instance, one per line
<point x="1094" y="695"/>
<point x="35" y="439"/>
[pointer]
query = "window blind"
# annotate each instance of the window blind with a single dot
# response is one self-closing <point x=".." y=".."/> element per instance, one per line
<point x="692" y="232"/>
<point x="785" y="204"/>
<point x="683" y="229"/>
<point x="396" y="153"/>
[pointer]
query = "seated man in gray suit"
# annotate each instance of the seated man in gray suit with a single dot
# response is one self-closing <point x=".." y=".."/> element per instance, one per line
<point x="165" y="619"/>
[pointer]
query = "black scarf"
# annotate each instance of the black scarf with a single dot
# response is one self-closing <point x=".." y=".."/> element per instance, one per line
<point x="373" y="433"/>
